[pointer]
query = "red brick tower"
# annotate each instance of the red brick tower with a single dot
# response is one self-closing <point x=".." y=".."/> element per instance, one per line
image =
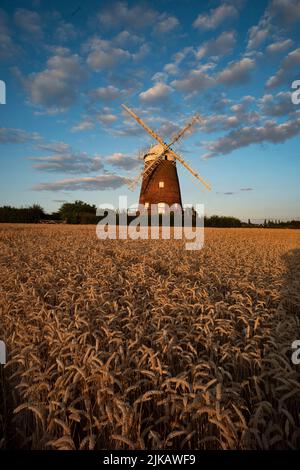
<point x="160" y="184"/>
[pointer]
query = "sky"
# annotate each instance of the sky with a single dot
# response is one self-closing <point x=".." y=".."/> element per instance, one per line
<point x="68" y="67"/>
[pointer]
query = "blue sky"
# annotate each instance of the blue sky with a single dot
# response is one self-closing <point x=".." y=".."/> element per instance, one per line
<point x="68" y="66"/>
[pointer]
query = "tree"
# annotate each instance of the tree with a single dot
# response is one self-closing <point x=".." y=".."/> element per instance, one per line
<point x="77" y="212"/>
<point x="221" y="221"/>
<point x="36" y="213"/>
<point x="31" y="214"/>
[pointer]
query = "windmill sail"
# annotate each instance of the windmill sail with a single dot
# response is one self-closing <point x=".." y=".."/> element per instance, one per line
<point x="160" y="183"/>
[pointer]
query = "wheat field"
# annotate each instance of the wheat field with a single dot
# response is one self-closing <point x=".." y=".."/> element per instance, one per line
<point x="144" y="345"/>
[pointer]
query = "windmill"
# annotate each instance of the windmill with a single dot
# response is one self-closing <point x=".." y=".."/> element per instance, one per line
<point x="160" y="183"/>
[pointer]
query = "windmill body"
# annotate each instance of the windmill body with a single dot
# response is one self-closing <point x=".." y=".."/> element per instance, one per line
<point x="160" y="183"/>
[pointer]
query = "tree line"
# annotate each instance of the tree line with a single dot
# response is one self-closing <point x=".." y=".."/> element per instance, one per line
<point x="80" y="212"/>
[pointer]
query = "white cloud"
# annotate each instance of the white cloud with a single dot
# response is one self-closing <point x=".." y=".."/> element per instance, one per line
<point x="241" y="117"/>
<point x="278" y="105"/>
<point x="160" y="91"/>
<point x="127" y="38"/>
<point x="99" y="60"/>
<point x="84" y="125"/>
<point x="220" y="46"/>
<point x="119" y="13"/>
<point x="7" y="48"/>
<point x="130" y="128"/>
<point x="182" y="54"/>
<point x="194" y="81"/>
<point x="89" y="121"/>
<point x="159" y="77"/>
<point x="138" y="16"/>
<point x="236" y="73"/>
<point x="29" y="22"/>
<point x="279" y="13"/>
<point x="215" y="17"/>
<point x="167" y="129"/>
<point x="106" y="118"/>
<point x="173" y="67"/>
<point x="279" y="46"/>
<point x="57" y="147"/>
<point x="285" y="12"/>
<point x="88" y="183"/>
<point x="108" y="93"/>
<point x="220" y="103"/>
<point x="68" y="163"/>
<point x="220" y="122"/>
<point x="17" y="136"/>
<point x="288" y="66"/>
<point x="271" y="132"/>
<point x="123" y="161"/>
<point x="103" y="55"/>
<point x="243" y="104"/>
<point x="257" y="35"/>
<point x="142" y="52"/>
<point x="65" y="32"/>
<point x="57" y="86"/>
<point x="166" y="23"/>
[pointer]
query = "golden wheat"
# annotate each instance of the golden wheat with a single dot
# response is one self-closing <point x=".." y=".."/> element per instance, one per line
<point x="144" y="345"/>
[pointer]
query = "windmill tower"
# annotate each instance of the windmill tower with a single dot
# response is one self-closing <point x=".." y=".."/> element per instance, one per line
<point x="160" y="182"/>
<point x="160" y="185"/>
